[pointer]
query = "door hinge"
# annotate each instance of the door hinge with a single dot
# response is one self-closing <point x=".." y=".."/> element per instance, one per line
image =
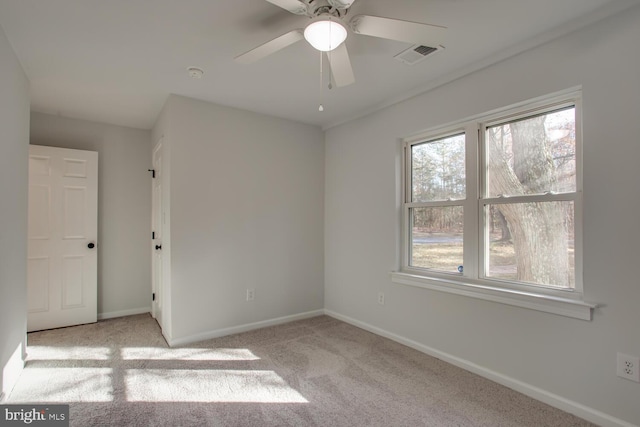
<point x="153" y="172"/>
<point x="153" y="296"/>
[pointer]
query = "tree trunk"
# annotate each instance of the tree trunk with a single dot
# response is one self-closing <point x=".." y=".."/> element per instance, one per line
<point x="532" y="159"/>
<point x="539" y="230"/>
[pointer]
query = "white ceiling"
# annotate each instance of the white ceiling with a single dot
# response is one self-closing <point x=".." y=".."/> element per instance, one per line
<point x="116" y="61"/>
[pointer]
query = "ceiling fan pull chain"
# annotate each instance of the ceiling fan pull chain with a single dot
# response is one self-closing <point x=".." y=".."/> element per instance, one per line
<point x="329" y="54"/>
<point x="329" y="57"/>
<point x="320" y="108"/>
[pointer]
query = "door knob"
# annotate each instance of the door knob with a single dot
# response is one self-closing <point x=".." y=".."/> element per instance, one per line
<point x="158" y="247"/>
<point x="91" y="245"/>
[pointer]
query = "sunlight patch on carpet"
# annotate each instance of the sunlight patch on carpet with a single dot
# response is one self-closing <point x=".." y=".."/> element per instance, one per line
<point x="217" y="354"/>
<point x="41" y="352"/>
<point x="182" y="385"/>
<point x="64" y="385"/>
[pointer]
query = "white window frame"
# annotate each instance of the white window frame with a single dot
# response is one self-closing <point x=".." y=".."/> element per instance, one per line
<point x="408" y="204"/>
<point x="472" y="282"/>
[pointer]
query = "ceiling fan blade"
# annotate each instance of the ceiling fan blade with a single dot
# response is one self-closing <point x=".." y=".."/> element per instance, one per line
<point x="341" y="66"/>
<point x="270" y="47"/>
<point x="395" y="29"/>
<point x="293" y="6"/>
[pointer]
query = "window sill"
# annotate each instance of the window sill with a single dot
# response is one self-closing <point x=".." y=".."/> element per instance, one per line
<point x="576" y="309"/>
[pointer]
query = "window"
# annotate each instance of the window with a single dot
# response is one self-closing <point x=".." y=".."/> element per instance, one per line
<point x="528" y="199"/>
<point x="435" y="210"/>
<point x="492" y="206"/>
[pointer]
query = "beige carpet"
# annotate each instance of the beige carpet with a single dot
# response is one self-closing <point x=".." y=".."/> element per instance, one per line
<point x="315" y="372"/>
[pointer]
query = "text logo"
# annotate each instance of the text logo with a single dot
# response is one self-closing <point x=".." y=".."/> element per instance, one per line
<point x="34" y="415"/>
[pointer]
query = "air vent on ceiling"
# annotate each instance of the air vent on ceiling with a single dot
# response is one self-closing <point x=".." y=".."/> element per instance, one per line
<point x="416" y="53"/>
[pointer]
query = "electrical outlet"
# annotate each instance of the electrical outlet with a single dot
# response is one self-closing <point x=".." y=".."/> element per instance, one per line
<point x="380" y="298"/>
<point x="251" y="294"/>
<point x="628" y="367"/>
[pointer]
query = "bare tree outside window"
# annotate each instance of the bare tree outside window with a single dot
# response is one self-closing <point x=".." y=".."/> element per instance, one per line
<point x="527" y="157"/>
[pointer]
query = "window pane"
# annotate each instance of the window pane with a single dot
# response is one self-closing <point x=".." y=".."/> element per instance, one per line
<point x="532" y="243"/>
<point x="436" y="238"/>
<point x="438" y="169"/>
<point x="533" y="155"/>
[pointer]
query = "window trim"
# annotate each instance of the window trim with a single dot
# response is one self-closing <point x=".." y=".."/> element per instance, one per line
<point x="473" y="283"/>
<point x="575" y="308"/>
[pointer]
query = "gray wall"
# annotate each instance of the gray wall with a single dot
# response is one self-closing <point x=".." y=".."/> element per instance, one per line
<point x="124" y="206"/>
<point x="14" y="151"/>
<point x="559" y="356"/>
<point x="246" y="212"/>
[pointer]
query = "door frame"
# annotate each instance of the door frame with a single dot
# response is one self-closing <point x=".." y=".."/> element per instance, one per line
<point x="156" y="233"/>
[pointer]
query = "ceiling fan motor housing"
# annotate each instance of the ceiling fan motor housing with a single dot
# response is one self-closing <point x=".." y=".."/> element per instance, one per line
<point x="326" y="8"/>
<point x="341" y="4"/>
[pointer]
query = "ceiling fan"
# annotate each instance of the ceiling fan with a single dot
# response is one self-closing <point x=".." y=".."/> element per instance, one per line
<point x="327" y="32"/>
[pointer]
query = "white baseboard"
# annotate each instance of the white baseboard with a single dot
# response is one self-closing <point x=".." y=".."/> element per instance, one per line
<point x="122" y="313"/>
<point x="554" y="400"/>
<point x="203" y="336"/>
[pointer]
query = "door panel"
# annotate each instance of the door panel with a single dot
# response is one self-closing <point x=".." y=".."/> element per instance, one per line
<point x="39" y="212"/>
<point x="39" y="165"/>
<point x="74" y="213"/>
<point x="75" y="168"/>
<point x="38" y="285"/>
<point x="72" y="290"/>
<point x="63" y="220"/>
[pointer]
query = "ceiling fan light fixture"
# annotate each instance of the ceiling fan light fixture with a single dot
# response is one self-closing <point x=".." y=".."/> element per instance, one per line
<point x="325" y="34"/>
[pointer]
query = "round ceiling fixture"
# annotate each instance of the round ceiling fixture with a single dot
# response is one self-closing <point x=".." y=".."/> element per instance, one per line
<point x="325" y="34"/>
<point x="195" y="72"/>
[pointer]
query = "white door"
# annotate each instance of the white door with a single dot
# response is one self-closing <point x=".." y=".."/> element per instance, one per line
<point x="62" y="261"/>
<point x="156" y="234"/>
